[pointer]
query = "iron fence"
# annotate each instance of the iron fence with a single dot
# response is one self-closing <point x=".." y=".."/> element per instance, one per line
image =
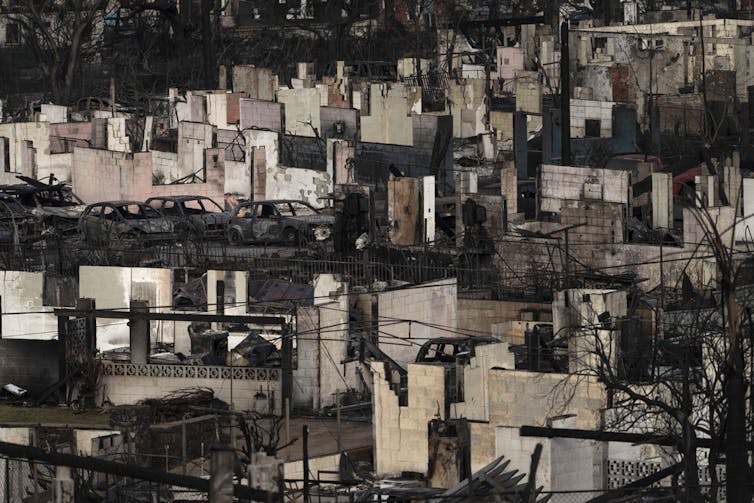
<point x="374" y="269"/>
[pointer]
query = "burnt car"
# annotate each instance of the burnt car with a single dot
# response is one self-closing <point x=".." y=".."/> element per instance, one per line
<point x="278" y="221"/>
<point x="194" y="216"/>
<point x="54" y="205"/>
<point x="17" y="223"/>
<point x="127" y="222"/>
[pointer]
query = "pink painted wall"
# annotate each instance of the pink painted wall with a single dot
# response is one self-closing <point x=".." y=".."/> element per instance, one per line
<point x="102" y="175"/>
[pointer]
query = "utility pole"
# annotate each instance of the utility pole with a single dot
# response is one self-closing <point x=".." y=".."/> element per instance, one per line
<point x="565" y="97"/>
<point x="736" y="460"/>
<point x="305" y="450"/>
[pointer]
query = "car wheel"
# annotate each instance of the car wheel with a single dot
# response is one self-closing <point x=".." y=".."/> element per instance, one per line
<point x="290" y="235"/>
<point x="234" y="237"/>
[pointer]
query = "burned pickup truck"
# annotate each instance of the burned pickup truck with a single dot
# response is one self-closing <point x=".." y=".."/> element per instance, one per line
<point x="278" y="221"/>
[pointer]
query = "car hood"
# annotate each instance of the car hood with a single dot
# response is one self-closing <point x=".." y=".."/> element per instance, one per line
<point x="72" y="212"/>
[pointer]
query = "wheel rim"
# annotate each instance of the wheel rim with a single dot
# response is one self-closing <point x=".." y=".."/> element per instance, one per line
<point x="290" y="236"/>
<point x="234" y="237"/>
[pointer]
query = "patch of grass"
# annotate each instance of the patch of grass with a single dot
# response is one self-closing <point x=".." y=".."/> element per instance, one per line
<point x="13" y="414"/>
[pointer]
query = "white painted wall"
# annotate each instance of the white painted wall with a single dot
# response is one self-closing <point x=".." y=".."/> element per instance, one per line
<point x="23" y="292"/>
<point x="114" y="287"/>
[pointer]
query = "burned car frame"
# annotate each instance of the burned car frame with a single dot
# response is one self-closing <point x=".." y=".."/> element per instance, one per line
<point x="278" y="221"/>
<point x="126" y="223"/>
<point x="17" y="223"/>
<point x="54" y="206"/>
<point x="192" y="216"/>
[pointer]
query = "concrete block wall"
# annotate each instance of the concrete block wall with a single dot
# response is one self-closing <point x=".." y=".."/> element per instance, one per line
<point x="338" y="154"/>
<point x="528" y="91"/>
<point x="581" y="110"/>
<point x="723" y="217"/>
<point x="197" y="106"/>
<point x="237" y="179"/>
<point x="296" y="183"/>
<point x="29" y="149"/>
<point x="233" y="102"/>
<point x="347" y="117"/>
<point x="559" y="183"/>
<point x="509" y="60"/>
<point x="745" y="226"/>
<point x="117" y="138"/>
<point x="253" y="82"/>
<point x="260" y="143"/>
<point x="388" y="117"/>
<point x="604" y="221"/>
<point x="433" y="303"/>
<point x="475" y="405"/>
<point x="597" y="81"/>
<point x="335" y="97"/>
<point x="54" y="114"/>
<point x="129" y="389"/>
<point x="217" y="109"/>
<point x="303" y="152"/>
<point x="115" y="287"/>
<point x="502" y="124"/>
<point x="575" y="315"/>
<point x="332" y="302"/>
<point x="60" y="166"/>
<point x="231" y="141"/>
<point x="104" y="175"/>
<point x="67" y="135"/>
<point x="401" y="433"/>
<point x="259" y="167"/>
<point x="301" y="109"/>
<point x="193" y="138"/>
<point x="519" y="398"/>
<point x="24" y="292"/>
<point x="333" y="350"/>
<point x="662" y="200"/>
<point x="509" y="184"/>
<point x="213" y="187"/>
<point x="565" y="464"/>
<point x="261" y="114"/>
<point x="306" y="374"/>
<point x="165" y="166"/>
<point x="508" y="442"/>
<point x="482" y="315"/>
<point x="468" y="107"/>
